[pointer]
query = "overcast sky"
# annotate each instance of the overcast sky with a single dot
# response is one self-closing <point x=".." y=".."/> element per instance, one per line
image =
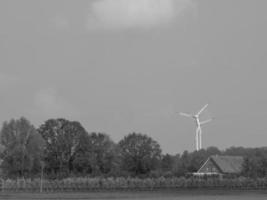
<point x="122" y="66"/>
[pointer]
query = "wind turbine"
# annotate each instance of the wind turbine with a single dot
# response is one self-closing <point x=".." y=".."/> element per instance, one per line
<point x="195" y="117"/>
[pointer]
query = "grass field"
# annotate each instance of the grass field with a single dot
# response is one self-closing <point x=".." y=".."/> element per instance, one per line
<point x="166" y="195"/>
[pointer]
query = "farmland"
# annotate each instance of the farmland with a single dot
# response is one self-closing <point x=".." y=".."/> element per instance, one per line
<point x="168" y="195"/>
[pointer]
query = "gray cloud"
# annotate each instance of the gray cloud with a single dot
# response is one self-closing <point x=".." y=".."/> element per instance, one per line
<point x="6" y="80"/>
<point x="61" y="22"/>
<point x="123" y="14"/>
<point x="48" y="103"/>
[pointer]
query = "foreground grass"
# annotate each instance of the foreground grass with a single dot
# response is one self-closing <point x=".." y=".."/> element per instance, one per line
<point x="147" y="195"/>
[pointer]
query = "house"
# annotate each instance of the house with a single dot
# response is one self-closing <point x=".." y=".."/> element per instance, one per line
<point x="221" y="166"/>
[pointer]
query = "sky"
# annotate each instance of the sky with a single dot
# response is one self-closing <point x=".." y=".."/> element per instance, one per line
<point x="123" y="66"/>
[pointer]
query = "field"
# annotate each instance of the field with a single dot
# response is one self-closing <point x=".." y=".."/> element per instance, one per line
<point x="134" y="188"/>
<point x="166" y="195"/>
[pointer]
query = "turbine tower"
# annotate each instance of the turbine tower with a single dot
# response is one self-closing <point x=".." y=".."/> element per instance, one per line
<point x="195" y="117"/>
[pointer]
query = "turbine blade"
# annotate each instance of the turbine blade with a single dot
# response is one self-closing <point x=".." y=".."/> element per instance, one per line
<point x="185" y="114"/>
<point x="202" y="109"/>
<point x="205" y="122"/>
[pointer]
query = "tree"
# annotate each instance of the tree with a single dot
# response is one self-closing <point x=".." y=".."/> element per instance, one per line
<point x="255" y="163"/>
<point x="170" y="165"/>
<point x="82" y="162"/>
<point x="213" y="151"/>
<point x="23" y="148"/>
<point x="140" y="154"/>
<point x="183" y="164"/>
<point x="97" y="154"/>
<point x="62" y="137"/>
<point x="105" y="152"/>
<point x="167" y="162"/>
<point x="236" y="151"/>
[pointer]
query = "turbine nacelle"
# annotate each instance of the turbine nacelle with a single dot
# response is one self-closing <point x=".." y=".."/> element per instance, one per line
<point x="195" y="116"/>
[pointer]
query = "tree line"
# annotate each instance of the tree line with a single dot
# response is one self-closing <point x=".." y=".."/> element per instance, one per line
<point x="60" y="148"/>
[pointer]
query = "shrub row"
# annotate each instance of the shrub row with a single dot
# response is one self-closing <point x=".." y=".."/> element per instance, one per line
<point x="99" y="184"/>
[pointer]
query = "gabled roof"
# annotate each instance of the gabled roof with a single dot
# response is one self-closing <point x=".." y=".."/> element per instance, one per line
<point x="228" y="164"/>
